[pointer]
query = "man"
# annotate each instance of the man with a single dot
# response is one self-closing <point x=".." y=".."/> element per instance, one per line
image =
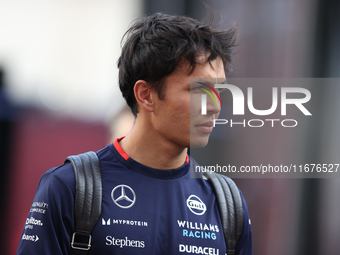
<point x="147" y="189"/>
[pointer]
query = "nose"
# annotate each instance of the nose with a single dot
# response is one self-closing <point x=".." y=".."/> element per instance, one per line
<point x="211" y="104"/>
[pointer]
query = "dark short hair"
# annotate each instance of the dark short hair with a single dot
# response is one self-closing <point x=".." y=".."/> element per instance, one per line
<point x="155" y="45"/>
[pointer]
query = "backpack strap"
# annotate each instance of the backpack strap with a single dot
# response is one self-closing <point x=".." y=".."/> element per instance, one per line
<point x="88" y="199"/>
<point x="229" y="204"/>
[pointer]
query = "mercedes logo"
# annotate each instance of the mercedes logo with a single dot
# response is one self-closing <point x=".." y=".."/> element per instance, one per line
<point x="123" y="196"/>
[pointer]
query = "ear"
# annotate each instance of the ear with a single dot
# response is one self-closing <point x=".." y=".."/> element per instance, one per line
<point x="144" y="95"/>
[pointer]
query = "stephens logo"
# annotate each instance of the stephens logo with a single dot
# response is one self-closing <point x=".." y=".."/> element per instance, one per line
<point x="196" y="205"/>
<point x="126" y="242"/>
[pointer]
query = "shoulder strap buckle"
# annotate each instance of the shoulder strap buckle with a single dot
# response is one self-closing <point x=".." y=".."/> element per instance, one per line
<point x="81" y="245"/>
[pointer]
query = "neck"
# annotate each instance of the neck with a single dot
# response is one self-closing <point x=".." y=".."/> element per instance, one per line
<point x="150" y="149"/>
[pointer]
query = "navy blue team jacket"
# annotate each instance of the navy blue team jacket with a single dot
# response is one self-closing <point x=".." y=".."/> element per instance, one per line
<point x="144" y="211"/>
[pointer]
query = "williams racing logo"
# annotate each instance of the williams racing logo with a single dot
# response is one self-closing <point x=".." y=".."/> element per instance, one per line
<point x="196" y="205"/>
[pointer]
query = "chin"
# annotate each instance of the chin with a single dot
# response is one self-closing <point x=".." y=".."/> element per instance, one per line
<point x="198" y="142"/>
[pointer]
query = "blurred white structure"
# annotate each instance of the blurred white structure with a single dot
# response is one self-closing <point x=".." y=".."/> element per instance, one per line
<point x="62" y="55"/>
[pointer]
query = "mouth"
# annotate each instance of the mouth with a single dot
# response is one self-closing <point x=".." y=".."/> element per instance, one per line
<point x="205" y="127"/>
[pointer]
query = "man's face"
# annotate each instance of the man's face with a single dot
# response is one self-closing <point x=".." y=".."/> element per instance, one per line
<point x="178" y="116"/>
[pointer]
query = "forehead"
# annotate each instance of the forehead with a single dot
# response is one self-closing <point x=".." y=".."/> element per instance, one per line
<point x="213" y="71"/>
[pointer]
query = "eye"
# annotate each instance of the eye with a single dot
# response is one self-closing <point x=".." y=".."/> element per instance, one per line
<point x="197" y="89"/>
<point x="220" y="90"/>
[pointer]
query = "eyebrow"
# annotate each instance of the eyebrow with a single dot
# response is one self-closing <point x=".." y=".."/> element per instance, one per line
<point x="223" y="82"/>
<point x="208" y="81"/>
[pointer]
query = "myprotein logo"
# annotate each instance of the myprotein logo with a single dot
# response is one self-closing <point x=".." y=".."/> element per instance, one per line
<point x="239" y="105"/>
